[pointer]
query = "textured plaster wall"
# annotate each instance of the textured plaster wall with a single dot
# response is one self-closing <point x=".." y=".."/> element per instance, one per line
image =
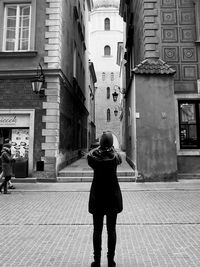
<point x="156" y="149"/>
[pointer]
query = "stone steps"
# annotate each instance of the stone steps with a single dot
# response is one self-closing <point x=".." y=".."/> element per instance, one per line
<point x="65" y="176"/>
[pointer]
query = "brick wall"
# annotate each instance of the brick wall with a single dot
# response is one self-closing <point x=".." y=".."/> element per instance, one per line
<point x="18" y="94"/>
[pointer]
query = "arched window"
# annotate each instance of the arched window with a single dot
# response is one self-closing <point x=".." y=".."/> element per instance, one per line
<point x="108" y="92"/>
<point x="103" y="76"/>
<point x="107" y="24"/>
<point x="112" y="76"/>
<point x="107" y="50"/>
<point x="108" y="114"/>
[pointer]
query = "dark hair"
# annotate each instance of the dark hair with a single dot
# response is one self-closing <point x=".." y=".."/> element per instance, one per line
<point x="106" y="140"/>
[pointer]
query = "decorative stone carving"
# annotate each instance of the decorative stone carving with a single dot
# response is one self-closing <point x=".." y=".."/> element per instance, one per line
<point x="169" y="35"/>
<point x="170" y="54"/>
<point x="189" y="72"/>
<point x="187" y="17"/>
<point x="168" y="3"/>
<point x="188" y="54"/>
<point x="169" y="17"/>
<point x="185" y="3"/>
<point x="187" y="34"/>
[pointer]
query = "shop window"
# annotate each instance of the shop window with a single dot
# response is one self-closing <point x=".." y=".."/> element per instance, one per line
<point x="108" y="115"/>
<point x="107" y="24"/>
<point x="112" y="76"/>
<point x="189" y="124"/>
<point x="107" y="51"/>
<point x="18" y="27"/>
<point x="108" y="92"/>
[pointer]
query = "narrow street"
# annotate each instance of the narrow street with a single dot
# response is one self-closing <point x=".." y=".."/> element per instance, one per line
<point x="47" y="224"/>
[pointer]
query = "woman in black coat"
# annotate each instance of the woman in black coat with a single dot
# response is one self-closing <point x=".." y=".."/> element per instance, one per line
<point x="6" y="160"/>
<point x="105" y="196"/>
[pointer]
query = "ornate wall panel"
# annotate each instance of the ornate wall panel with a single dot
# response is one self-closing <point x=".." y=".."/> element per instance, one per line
<point x="171" y="54"/>
<point x="189" y="72"/>
<point x="178" y="41"/>
<point x="187" y="34"/>
<point x="168" y="3"/>
<point x="185" y="3"/>
<point x="169" y="35"/>
<point x="188" y="54"/>
<point x="169" y="17"/>
<point x="187" y="16"/>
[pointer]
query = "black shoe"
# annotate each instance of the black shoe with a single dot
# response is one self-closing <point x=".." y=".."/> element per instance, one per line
<point x="11" y="187"/>
<point x="95" y="264"/>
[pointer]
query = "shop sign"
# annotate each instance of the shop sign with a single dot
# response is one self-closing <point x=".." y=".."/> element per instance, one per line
<point x="8" y="119"/>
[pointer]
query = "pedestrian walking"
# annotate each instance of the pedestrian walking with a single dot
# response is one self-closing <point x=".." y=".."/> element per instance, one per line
<point x="6" y="160"/>
<point x="105" y="196"/>
<point x="10" y="185"/>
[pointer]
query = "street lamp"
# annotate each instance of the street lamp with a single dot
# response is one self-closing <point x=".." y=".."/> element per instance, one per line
<point x="115" y="94"/>
<point x="38" y="82"/>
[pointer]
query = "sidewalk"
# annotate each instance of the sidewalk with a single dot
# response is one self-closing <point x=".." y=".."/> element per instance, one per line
<point x="48" y="224"/>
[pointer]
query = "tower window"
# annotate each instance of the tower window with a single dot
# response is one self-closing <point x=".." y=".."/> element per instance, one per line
<point x="108" y="114"/>
<point x="112" y="76"/>
<point x="107" y="50"/>
<point x="107" y="24"/>
<point x="103" y="76"/>
<point x="108" y="92"/>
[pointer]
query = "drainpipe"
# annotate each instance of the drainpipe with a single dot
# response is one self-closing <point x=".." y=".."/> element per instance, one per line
<point x="134" y="124"/>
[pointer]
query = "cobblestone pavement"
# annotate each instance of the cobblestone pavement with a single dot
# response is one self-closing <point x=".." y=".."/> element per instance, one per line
<point x="49" y="225"/>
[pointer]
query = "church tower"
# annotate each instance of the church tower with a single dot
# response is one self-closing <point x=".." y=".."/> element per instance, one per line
<point x="106" y="31"/>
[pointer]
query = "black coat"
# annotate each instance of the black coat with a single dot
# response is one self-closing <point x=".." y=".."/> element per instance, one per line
<point x="6" y="161"/>
<point x="105" y="194"/>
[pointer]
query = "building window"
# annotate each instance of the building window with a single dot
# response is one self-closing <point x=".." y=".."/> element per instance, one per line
<point x="17" y="27"/>
<point x="108" y="92"/>
<point x="107" y="50"/>
<point x="108" y="114"/>
<point x="112" y="76"/>
<point x="103" y="76"/>
<point x="189" y="124"/>
<point x="107" y="24"/>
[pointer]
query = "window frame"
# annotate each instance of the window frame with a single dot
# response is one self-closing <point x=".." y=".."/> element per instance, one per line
<point x="105" y="51"/>
<point x="106" y="24"/>
<point x="108" y="92"/>
<point x="197" y="124"/>
<point x="112" y="76"/>
<point x="108" y="115"/>
<point x="32" y="25"/>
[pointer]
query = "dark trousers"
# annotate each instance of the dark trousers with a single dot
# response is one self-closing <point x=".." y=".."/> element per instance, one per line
<point x="97" y="235"/>
<point x="5" y="183"/>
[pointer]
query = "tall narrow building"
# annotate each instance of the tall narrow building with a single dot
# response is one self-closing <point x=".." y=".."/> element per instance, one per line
<point x="106" y="31"/>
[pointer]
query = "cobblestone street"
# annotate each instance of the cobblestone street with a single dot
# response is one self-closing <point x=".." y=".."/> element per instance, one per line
<point x="49" y="225"/>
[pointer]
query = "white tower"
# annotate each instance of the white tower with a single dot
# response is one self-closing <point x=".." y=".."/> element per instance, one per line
<point x="106" y="30"/>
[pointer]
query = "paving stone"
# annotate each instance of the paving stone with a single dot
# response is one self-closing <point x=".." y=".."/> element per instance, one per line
<point x="159" y="226"/>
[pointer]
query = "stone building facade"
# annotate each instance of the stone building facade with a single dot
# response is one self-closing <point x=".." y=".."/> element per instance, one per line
<point x="106" y="30"/>
<point x="162" y="74"/>
<point x="52" y="127"/>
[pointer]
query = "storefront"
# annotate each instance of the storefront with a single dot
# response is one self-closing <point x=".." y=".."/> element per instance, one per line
<point x="18" y="126"/>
